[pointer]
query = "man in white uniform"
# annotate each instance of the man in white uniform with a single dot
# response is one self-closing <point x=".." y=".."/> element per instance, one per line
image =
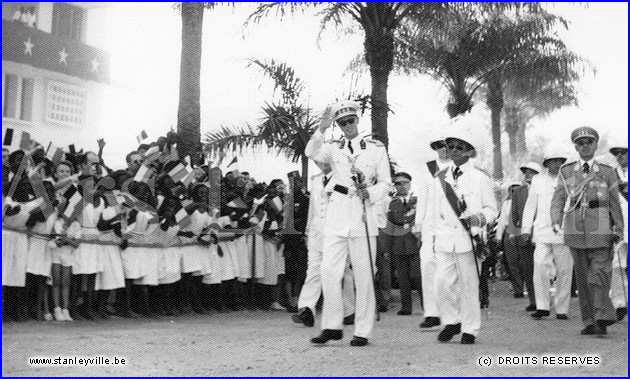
<point x="361" y="178"/>
<point x="462" y="198"/>
<point x="552" y="258"/>
<point x="619" y="283"/>
<point x="423" y="233"/>
<point x="312" y="288"/>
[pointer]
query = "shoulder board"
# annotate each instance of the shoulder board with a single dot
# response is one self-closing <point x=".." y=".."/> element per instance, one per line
<point x="604" y="165"/>
<point x="482" y="171"/>
<point x="374" y="141"/>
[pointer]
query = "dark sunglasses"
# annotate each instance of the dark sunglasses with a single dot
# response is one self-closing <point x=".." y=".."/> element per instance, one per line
<point x="349" y="121"/>
<point x="585" y="142"/>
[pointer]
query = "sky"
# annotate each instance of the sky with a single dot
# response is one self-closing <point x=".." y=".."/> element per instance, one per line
<point x="144" y="40"/>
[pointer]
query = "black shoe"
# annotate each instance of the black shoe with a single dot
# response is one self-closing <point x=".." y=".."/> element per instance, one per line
<point x="449" y="332"/>
<point x="621" y="313"/>
<point x="562" y="316"/>
<point x="430" y="322"/>
<point x="530" y="308"/>
<point x="305" y="317"/>
<point x="484" y="304"/>
<point x="605" y="323"/>
<point x="327" y="335"/>
<point x="382" y="308"/>
<point x="349" y="320"/>
<point x="518" y="295"/>
<point x="591" y="330"/>
<point x="358" y="341"/>
<point x="540" y="313"/>
<point x="574" y="294"/>
<point x="468" y="339"/>
<point x="404" y="312"/>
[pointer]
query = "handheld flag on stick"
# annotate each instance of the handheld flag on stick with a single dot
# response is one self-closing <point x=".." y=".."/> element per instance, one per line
<point x="143" y="174"/>
<point x="178" y="173"/>
<point x="54" y="154"/>
<point x="8" y="137"/>
<point x="142" y="136"/>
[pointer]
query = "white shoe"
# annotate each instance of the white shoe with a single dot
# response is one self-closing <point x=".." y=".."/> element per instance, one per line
<point x="277" y="307"/>
<point x="58" y="314"/>
<point x="66" y="315"/>
<point x="48" y="317"/>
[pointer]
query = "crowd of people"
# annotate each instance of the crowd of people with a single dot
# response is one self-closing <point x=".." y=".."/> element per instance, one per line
<point x="169" y="236"/>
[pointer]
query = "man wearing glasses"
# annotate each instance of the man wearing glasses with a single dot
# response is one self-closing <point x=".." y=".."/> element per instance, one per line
<point x="362" y="178"/>
<point x="592" y="222"/>
<point x="422" y="232"/>
<point x="619" y="285"/>
<point x="461" y="203"/>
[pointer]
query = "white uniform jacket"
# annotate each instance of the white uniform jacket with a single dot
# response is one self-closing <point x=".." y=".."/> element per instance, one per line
<point x="537" y="212"/>
<point x="344" y="213"/>
<point x="476" y="189"/>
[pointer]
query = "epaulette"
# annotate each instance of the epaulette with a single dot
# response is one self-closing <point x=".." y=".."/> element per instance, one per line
<point x="375" y="141"/>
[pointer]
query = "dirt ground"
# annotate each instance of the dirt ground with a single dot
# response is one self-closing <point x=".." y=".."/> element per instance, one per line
<point x="260" y="343"/>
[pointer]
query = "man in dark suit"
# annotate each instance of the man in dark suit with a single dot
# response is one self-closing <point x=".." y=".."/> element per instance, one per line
<point x="592" y="222"/>
<point x="520" y="256"/>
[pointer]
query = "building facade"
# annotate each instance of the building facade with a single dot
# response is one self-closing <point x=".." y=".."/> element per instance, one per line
<point x="55" y="71"/>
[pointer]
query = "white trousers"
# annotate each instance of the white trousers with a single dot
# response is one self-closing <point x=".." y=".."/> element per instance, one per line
<point x="619" y="279"/>
<point x="312" y="288"/>
<point x="457" y="287"/>
<point x="427" y="269"/>
<point x="553" y="260"/>
<point x="335" y="255"/>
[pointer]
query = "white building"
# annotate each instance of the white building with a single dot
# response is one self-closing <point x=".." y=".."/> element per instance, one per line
<point x="54" y="71"/>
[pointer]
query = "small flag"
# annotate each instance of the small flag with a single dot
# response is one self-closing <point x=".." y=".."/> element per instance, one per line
<point x="178" y="172"/>
<point x="189" y="178"/>
<point x="170" y="156"/>
<point x="72" y="149"/>
<point x="182" y="218"/>
<point x="25" y="141"/>
<point x="74" y="198"/>
<point x="8" y="137"/>
<point x="276" y="203"/>
<point x="237" y="203"/>
<point x="54" y="154"/>
<point x="153" y="154"/>
<point x="142" y="136"/>
<point x="143" y="174"/>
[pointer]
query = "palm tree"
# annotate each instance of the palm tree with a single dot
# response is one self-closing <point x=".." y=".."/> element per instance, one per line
<point x="478" y="50"/>
<point x="525" y="101"/>
<point x="286" y="125"/>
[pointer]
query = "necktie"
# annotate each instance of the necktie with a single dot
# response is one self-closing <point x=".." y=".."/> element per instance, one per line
<point x="326" y="180"/>
<point x="350" y="147"/>
<point x="585" y="168"/>
<point x="457" y="173"/>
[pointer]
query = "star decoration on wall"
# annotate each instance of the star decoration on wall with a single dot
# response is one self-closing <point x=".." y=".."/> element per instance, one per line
<point x="28" y="47"/>
<point x="63" y="56"/>
<point x="95" y="65"/>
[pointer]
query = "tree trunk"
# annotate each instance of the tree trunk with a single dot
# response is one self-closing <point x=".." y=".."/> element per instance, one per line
<point x="521" y="142"/>
<point x="189" y="112"/>
<point x="379" y="55"/>
<point x="495" y="103"/>
<point x="511" y="127"/>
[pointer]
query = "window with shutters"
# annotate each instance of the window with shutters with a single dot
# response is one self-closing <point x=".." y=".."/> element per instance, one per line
<point x="17" y="97"/>
<point x="68" y="21"/>
<point x="65" y="103"/>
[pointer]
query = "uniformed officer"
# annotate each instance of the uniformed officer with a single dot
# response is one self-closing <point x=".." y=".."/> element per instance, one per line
<point x="312" y="288"/>
<point x="619" y="284"/>
<point x="591" y="223"/>
<point x="460" y="204"/>
<point x="552" y="258"/>
<point x="422" y="230"/>
<point x="361" y="177"/>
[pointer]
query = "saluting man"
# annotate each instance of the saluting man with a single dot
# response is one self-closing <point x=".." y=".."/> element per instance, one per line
<point x="461" y="203"/>
<point x="361" y="177"/>
<point x="592" y="223"/>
